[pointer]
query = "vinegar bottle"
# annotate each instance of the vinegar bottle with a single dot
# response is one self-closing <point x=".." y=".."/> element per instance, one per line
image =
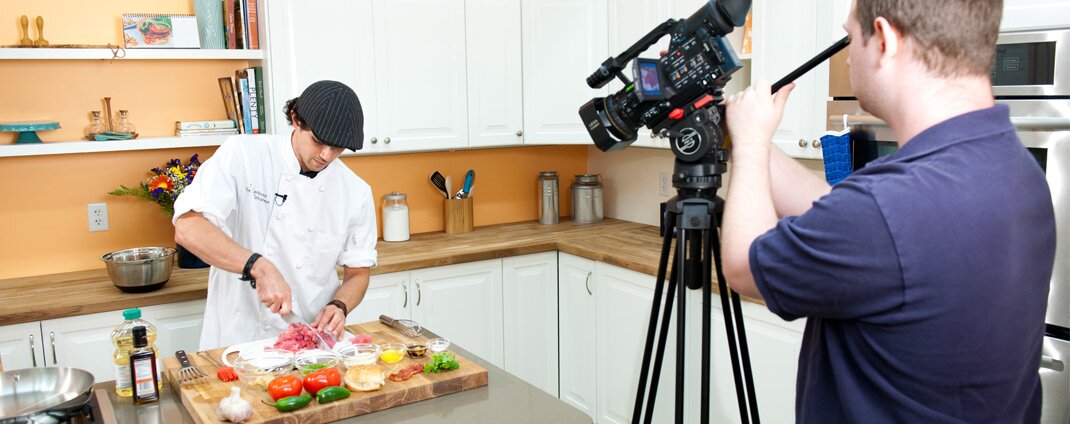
<point x="146" y="383"/>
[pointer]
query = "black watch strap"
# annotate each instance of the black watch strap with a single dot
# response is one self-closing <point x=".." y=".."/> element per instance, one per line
<point x="340" y="305"/>
<point x="245" y="276"/>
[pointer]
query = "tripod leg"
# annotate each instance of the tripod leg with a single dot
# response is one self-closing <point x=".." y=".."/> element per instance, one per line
<point x="732" y="322"/>
<point x="704" y="392"/>
<point x="744" y="352"/>
<point x="669" y="219"/>
<point x="663" y="333"/>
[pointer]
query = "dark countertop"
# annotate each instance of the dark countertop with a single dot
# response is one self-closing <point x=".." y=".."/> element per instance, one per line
<point x="505" y="399"/>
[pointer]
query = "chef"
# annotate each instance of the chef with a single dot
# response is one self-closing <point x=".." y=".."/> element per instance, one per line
<point x="275" y="214"/>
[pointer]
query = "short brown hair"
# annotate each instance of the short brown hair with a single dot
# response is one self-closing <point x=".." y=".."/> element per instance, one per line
<point x="954" y="37"/>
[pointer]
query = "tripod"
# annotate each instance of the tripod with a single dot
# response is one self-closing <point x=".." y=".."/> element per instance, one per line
<point x="693" y="216"/>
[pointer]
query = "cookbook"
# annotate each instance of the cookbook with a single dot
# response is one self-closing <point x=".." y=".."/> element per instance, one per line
<point x="146" y="30"/>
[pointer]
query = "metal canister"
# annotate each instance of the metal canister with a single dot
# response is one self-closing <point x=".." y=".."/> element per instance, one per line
<point x="548" y="203"/>
<point x="587" y="199"/>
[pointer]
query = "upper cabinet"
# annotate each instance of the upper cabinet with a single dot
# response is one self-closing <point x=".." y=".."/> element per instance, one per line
<point x="1020" y="15"/>
<point x="564" y="41"/>
<point x="495" y="84"/>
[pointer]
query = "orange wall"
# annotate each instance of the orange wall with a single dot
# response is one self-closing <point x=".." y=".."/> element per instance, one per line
<point x="44" y="225"/>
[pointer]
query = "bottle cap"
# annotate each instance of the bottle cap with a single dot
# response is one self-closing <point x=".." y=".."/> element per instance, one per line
<point x="132" y="313"/>
<point x="394" y="195"/>
<point x="140" y="338"/>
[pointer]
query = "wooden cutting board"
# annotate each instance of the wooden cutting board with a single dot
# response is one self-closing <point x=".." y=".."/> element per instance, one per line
<point x="202" y="399"/>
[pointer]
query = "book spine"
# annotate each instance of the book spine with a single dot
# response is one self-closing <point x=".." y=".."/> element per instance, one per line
<point x="242" y="26"/>
<point x="254" y="106"/>
<point x="260" y="98"/>
<point x="228" y="12"/>
<point x="246" y="113"/>
<point x="238" y="106"/>
<point x="253" y="19"/>
<point x="204" y="125"/>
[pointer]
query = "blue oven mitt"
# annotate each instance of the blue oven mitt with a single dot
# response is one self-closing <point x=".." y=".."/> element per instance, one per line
<point x="836" y="152"/>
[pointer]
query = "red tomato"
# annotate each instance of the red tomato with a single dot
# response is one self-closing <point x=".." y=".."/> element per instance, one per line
<point x="321" y="378"/>
<point x="283" y="386"/>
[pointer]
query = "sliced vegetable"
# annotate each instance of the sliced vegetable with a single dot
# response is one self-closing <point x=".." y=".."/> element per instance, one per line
<point x="440" y="362"/>
<point x="291" y="403"/>
<point x="226" y="374"/>
<point x="322" y="378"/>
<point x="284" y="386"/>
<point x="331" y="394"/>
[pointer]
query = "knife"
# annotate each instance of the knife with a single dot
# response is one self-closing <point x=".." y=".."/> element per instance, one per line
<point x="292" y="318"/>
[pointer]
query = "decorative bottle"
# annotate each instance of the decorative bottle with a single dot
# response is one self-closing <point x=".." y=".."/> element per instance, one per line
<point x="96" y="126"/>
<point x="123" y="125"/>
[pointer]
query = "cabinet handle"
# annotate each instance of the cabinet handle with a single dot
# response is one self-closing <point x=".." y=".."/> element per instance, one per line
<point x="386" y="140"/>
<point x="519" y="133"/>
<point x="588" y="284"/>
<point x="374" y="140"/>
<point x="816" y="144"/>
<point x="419" y="293"/>
<point x="802" y="143"/>
<point x="405" y="289"/>
<point x="1051" y="363"/>
<point x="52" y="337"/>
<point x="33" y="355"/>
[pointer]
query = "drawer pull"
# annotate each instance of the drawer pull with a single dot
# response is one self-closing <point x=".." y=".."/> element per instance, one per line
<point x="588" y="284"/>
<point x="52" y="336"/>
<point x="33" y="355"/>
<point x="419" y="293"/>
<point x="405" y="290"/>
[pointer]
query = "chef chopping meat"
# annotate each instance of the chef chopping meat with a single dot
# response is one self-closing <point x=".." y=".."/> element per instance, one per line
<point x="274" y="215"/>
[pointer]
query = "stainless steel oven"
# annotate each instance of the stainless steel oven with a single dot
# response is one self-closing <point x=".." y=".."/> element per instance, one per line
<point x="1031" y="75"/>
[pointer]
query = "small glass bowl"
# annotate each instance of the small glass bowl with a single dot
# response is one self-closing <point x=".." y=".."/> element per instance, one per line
<point x="391" y="353"/>
<point x="416" y="350"/>
<point x="314" y="359"/>
<point x="438" y="345"/>
<point x="359" y="354"/>
<point x="257" y="369"/>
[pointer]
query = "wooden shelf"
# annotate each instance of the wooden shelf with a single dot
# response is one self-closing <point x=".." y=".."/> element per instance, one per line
<point x="149" y="143"/>
<point x="131" y="54"/>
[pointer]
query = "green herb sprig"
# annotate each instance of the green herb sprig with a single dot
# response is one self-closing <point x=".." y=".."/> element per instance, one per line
<point x="440" y="362"/>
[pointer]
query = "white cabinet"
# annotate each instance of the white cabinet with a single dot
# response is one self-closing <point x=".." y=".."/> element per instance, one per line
<point x="577" y="320"/>
<point x="83" y="342"/>
<point x="564" y="41"/>
<point x="178" y="325"/>
<point x="388" y="294"/>
<point x="495" y="94"/>
<point x="20" y="346"/>
<point x="1019" y="15"/>
<point x="529" y="294"/>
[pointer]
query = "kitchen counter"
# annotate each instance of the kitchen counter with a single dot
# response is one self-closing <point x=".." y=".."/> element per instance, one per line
<point x="504" y="399"/>
<point x="625" y="244"/>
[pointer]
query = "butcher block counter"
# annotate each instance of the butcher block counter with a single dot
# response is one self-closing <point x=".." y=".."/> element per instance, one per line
<point x="621" y="243"/>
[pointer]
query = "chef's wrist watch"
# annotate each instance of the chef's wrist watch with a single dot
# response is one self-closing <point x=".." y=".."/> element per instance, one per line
<point x="245" y="273"/>
<point x="340" y="305"/>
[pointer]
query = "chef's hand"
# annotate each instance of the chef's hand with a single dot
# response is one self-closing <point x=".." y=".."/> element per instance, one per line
<point x="271" y="287"/>
<point x="754" y="114"/>
<point x="331" y="320"/>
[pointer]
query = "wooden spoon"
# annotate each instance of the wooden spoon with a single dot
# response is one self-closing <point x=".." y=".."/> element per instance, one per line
<point x="40" y="32"/>
<point x="25" y="41"/>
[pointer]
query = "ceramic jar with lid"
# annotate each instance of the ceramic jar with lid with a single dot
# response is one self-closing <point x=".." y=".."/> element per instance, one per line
<point x="395" y="217"/>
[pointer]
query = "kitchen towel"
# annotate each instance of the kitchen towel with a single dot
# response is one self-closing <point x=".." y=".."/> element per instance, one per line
<point x="836" y="153"/>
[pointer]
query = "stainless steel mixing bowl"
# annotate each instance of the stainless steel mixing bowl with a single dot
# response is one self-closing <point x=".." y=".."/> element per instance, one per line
<point x="141" y="269"/>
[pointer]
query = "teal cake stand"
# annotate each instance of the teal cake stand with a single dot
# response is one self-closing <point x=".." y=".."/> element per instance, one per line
<point x="28" y="130"/>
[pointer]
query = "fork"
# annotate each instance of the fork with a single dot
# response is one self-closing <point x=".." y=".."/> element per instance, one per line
<point x="188" y="373"/>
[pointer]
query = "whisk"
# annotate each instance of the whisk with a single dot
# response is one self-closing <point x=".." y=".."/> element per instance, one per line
<point x="408" y="327"/>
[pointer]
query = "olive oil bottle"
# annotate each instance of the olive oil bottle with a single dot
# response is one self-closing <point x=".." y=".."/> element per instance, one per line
<point x="146" y="383"/>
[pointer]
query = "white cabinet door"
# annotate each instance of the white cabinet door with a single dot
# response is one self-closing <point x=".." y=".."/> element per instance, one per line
<point x="1019" y="15"/>
<point x="564" y="42"/>
<point x="463" y="303"/>
<point x="784" y="35"/>
<point x="623" y="302"/>
<point x="529" y="294"/>
<point x="495" y="84"/>
<point x="577" y="326"/>
<point x="20" y="346"/>
<point x="388" y="294"/>
<point x="420" y="74"/>
<point x="82" y="342"/>
<point x="178" y="325"/>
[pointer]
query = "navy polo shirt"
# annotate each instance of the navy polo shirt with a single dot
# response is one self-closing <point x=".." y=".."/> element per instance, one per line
<point x="925" y="279"/>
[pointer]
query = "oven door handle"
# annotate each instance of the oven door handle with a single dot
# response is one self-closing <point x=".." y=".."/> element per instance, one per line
<point x="1040" y="124"/>
<point x="1051" y="363"/>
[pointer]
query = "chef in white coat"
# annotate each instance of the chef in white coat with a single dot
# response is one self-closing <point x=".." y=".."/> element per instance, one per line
<point x="275" y="214"/>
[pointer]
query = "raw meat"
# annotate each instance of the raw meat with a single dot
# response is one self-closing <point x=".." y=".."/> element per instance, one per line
<point x="298" y="337"/>
<point x="361" y="338"/>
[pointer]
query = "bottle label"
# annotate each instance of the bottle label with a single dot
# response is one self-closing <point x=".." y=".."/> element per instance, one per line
<point x="122" y="376"/>
<point x="144" y="380"/>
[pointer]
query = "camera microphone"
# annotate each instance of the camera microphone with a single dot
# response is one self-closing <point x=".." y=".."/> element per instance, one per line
<point x="280" y="196"/>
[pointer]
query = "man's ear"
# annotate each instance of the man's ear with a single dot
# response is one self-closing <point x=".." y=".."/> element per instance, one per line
<point x="891" y="41"/>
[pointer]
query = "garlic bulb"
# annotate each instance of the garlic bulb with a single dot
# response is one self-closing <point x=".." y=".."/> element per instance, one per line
<point x="233" y="408"/>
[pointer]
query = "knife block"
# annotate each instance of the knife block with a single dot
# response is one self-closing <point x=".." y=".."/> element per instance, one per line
<point x="457" y="215"/>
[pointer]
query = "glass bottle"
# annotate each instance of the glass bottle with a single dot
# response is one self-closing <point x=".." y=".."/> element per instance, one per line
<point x="143" y="373"/>
<point x="96" y="126"/>
<point x="123" y="125"/>
<point x="395" y="217"/>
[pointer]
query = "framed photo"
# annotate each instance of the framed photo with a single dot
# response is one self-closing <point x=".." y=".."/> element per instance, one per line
<point x="160" y="31"/>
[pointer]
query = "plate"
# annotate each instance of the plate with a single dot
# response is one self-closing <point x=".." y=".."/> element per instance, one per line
<point x="264" y="344"/>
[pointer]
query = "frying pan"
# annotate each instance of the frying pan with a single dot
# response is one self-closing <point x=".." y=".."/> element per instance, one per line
<point x="31" y="390"/>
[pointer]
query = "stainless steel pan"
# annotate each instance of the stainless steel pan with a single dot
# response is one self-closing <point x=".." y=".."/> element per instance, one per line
<point x="30" y="390"/>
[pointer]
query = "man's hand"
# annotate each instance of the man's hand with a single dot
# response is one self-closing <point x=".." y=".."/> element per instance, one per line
<point x="331" y="320"/>
<point x="754" y="114"/>
<point x="271" y="287"/>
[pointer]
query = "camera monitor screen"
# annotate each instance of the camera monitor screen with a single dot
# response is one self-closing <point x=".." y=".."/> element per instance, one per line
<point x="649" y="83"/>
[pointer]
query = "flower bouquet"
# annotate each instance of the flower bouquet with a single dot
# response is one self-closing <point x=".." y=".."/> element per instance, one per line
<point x="165" y="184"/>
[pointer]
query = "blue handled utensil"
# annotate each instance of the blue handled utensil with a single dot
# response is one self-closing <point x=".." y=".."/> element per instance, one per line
<point x="469" y="178"/>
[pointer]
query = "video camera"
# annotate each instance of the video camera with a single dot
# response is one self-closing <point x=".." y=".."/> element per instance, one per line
<point x="667" y="92"/>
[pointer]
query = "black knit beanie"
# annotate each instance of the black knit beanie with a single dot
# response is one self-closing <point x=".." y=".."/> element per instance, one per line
<point x="333" y="113"/>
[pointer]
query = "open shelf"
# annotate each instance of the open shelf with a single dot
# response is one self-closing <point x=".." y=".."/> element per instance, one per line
<point x="148" y="143"/>
<point x="11" y="53"/>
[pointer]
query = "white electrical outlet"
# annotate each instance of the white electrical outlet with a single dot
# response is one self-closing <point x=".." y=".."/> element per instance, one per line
<point x="664" y="183"/>
<point x="98" y="217"/>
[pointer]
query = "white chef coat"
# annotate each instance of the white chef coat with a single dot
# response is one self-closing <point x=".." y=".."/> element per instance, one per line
<point x="252" y="189"/>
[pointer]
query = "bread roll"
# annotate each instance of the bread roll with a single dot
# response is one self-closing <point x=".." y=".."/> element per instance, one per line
<point x="365" y="378"/>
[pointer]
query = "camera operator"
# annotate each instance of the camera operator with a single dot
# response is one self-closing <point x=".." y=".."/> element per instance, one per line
<point x="924" y="276"/>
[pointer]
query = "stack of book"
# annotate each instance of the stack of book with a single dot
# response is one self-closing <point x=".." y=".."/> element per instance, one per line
<point x="195" y="128"/>
<point x="243" y="97"/>
<point x="240" y="24"/>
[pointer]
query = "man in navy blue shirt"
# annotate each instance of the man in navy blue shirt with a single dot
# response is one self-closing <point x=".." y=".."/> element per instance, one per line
<point x="924" y="276"/>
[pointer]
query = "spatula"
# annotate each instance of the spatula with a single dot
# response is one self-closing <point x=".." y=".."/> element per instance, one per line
<point x="440" y="183"/>
<point x="189" y="373"/>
